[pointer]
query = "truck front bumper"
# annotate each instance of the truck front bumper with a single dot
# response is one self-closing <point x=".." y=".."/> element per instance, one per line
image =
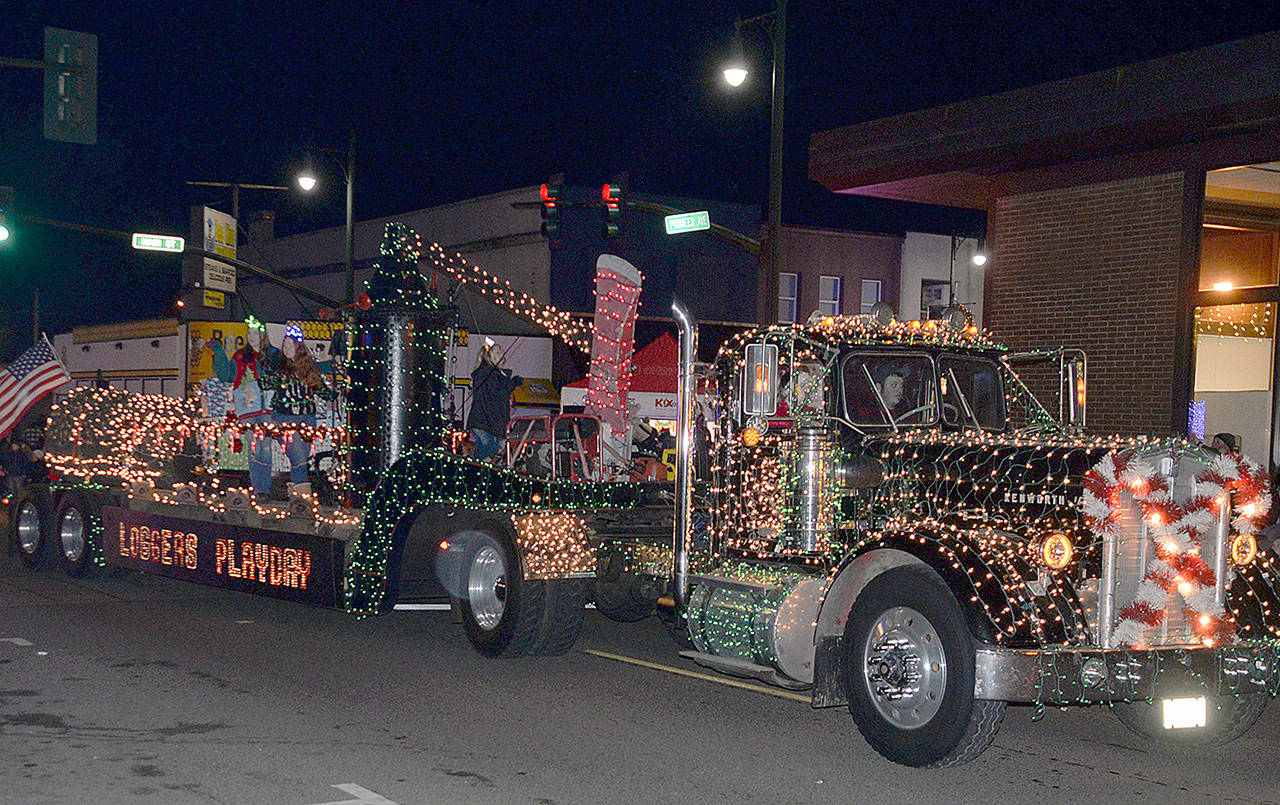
<point x="1091" y="675"/>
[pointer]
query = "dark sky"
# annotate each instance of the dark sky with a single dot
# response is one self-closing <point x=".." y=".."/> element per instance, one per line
<point x="456" y="99"/>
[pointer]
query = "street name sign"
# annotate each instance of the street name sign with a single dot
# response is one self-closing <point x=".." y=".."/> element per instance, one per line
<point x="687" y="222"/>
<point x="158" y="243"/>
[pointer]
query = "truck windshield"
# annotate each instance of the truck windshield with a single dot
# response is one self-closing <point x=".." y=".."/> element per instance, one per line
<point x="977" y="381"/>
<point x="880" y="386"/>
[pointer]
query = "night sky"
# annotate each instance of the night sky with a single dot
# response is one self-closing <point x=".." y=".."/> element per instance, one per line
<point x="450" y="100"/>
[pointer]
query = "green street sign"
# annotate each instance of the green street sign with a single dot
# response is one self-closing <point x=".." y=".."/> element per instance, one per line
<point x="687" y="222"/>
<point x="158" y="243"/>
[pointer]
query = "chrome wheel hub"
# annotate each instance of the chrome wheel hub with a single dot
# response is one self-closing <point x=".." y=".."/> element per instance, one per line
<point x="904" y="668"/>
<point x="487" y="586"/>
<point x="71" y="532"/>
<point x="28" y="529"/>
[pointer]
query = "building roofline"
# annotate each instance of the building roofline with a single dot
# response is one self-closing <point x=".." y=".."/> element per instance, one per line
<point x="1188" y="105"/>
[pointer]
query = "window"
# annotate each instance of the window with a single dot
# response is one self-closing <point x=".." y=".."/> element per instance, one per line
<point x="902" y="384"/>
<point x="971" y="386"/>
<point x="829" y="293"/>
<point x="870" y="294"/>
<point x="788" y="296"/>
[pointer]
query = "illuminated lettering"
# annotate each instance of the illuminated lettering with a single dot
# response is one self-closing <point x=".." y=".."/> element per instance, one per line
<point x="124" y="544"/>
<point x="191" y="552"/>
<point x="246" y="560"/>
<point x="166" y="547"/>
<point x="277" y="567"/>
<point x="261" y="559"/>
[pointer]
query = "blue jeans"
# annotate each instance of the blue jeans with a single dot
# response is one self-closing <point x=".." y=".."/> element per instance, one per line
<point x="486" y="443"/>
<point x="295" y="447"/>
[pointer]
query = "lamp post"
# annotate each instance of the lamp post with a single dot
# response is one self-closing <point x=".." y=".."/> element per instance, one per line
<point x="735" y="73"/>
<point x="307" y="181"/>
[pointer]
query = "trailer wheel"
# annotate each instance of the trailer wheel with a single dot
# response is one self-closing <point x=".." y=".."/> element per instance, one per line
<point x="500" y="610"/>
<point x="1227" y="717"/>
<point x="78" y="518"/>
<point x="909" y="672"/>
<point x="31" y="526"/>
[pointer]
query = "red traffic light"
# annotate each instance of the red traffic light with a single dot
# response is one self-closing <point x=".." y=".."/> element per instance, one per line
<point x="548" y="195"/>
<point x="611" y="195"/>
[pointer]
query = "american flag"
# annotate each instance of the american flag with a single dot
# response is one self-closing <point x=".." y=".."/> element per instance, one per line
<point x="35" y="373"/>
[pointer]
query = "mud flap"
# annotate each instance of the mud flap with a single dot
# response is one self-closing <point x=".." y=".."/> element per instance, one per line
<point x="828" y="677"/>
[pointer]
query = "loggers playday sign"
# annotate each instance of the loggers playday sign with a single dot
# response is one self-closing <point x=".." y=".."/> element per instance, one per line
<point x="296" y="567"/>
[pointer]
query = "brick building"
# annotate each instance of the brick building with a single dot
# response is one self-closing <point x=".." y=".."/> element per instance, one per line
<point x="1134" y="213"/>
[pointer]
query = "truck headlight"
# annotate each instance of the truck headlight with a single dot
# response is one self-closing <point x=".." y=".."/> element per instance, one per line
<point x="1056" y="551"/>
<point x="1244" y="547"/>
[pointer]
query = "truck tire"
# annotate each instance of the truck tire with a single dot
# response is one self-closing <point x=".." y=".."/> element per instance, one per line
<point x="909" y="672"/>
<point x="31" y="526"/>
<point x="501" y="612"/>
<point x="1227" y="717"/>
<point x="78" y="519"/>
<point x="564" y="607"/>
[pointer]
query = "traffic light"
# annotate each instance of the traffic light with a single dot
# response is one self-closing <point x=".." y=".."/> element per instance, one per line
<point x="550" y="194"/>
<point x="612" y="221"/>
<point x="6" y="217"/>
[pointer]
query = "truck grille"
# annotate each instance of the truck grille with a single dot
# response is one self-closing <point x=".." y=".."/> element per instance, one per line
<point x="1128" y="556"/>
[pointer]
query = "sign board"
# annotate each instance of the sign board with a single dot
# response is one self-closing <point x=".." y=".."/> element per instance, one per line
<point x="71" y="95"/>
<point x="687" y="222"/>
<point x="214" y="299"/>
<point x="296" y="567"/>
<point x="219" y="238"/>
<point x="158" y="243"/>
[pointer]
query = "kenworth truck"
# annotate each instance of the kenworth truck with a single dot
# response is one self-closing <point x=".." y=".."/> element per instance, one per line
<point x="891" y="521"/>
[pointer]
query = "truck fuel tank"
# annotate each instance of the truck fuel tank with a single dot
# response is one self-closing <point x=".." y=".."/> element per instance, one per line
<point x="756" y="629"/>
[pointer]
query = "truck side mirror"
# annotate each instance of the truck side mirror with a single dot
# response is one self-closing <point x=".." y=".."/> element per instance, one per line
<point x="760" y="380"/>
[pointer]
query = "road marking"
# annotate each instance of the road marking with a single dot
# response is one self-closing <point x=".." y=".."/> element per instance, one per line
<point x="17" y="641"/>
<point x="366" y="797"/>
<point x="423" y="607"/>
<point x="733" y="683"/>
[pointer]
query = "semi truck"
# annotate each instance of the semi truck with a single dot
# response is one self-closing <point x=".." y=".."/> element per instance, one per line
<point x="890" y="519"/>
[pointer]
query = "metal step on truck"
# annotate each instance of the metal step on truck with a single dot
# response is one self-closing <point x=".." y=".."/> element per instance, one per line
<point x="892" y="521"/>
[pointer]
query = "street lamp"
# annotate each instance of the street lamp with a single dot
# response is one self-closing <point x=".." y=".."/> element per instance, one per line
<point x="307" y="181"/>
<point x="978" y="259"/>
<point x="735" y="73"/>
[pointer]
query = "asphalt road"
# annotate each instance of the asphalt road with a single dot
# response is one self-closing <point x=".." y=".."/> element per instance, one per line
<point x="140" y="689"/>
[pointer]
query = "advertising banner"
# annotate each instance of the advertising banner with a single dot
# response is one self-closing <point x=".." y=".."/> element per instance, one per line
<point x="219" y="238"/>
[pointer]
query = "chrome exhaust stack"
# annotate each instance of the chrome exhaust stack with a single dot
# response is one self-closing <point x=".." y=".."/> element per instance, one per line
<point x="688" y="332"/>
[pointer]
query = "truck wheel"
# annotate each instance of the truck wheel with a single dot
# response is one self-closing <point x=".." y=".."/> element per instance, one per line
<point x="564" y="607"/>
<point x="1226" y="717"/>
<point x="31" y="526"/>
<point x="77" y="519"/>
<point x="909" y="672"/>
<point x="500" y="611"/>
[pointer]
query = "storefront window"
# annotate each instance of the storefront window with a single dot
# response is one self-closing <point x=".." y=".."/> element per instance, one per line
<point x="1240" y="242"/>
<point x="1234" y="346"/>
